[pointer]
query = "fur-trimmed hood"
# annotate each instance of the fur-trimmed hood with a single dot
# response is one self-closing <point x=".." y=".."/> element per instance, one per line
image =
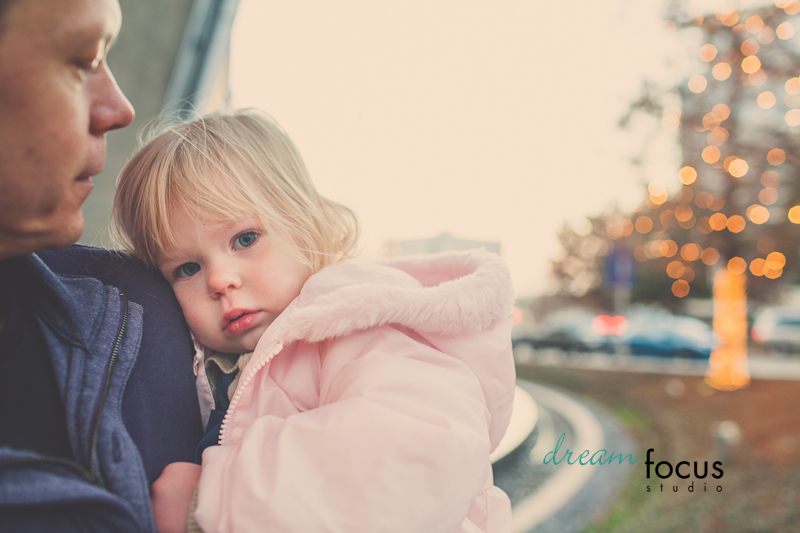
<point x="449" y="293"/>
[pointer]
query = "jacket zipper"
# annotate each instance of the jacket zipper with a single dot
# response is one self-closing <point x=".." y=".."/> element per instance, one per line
<point x="243" y="383"/>
<point x="106" y="388"/>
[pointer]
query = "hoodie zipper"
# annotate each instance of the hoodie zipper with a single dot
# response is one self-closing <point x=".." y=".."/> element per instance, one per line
<point x="243" y="382"/>
<point x="101" y="401"/>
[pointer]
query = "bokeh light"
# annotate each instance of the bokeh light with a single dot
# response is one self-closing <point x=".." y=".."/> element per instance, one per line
<point x="691" y="252"/>
<point x="794" y="214"/>
<point x="766" y="36"/>
<point x="784" y="31"/>
<point x="736" y="224"/>
<point x="737" y="265"/>
<point x="687" y="175"/>
<point x="710" y="121"/>
<point x="768" y="196"/>
<point x="680" y="288"/>
<point x="718" y="221"/>
<point x="729" y="18"/>
<point x="668" y="248"/>
<point x="757" y="78"/>
<point x="770" y="178"/>
<point x="776" y="260"/>
<point x="698" y="84"/>
<point x="792" y="86"/>
<point x="619" y="228"/>
<point x="721" y="71"/>
<point x="750" y="64"/>
<point x="644" y="224"/>
<point x="776" y="157"/>
<point x="766" y="100"/>
<point x="687" y="224"/>
<point x="683" y="213"/>
<point x="675" y="269"/>
<point x="710" y="256"/>
<point x="738" y="168"/>
<point x="773" y="273"/>
<point x="688" y="274"/>
<point x="655" y="248"/>
<point x="754" y="24"/>
<point x="703" y="199"/>
<point x="666" y="217"/>
<point x="711" y="154"/>
<point x="758" y="214"/>
<point x="793" y="117"/>
<point x="749" y="48"/>
<point x="708" y="52"/>
<point x="757" y="266"/>
<point x="727" y="369"/>
<point x="718" y="136"/>
<point x="721" y="112"/>
<point x="717" y="203"/>
<point x="793" y="8"/>
<point x="657" y="195"/>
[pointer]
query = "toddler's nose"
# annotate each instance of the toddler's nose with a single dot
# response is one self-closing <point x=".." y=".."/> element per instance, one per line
<point x="221" y="281"/>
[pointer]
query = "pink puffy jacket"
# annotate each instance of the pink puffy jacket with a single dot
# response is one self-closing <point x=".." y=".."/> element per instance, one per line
<point x="371" y="404"/>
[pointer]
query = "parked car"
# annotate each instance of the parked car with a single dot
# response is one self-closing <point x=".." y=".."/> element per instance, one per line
<point x="778" y="328"/>
<point x="568" y="330"/>
<point x="665" y="335"/>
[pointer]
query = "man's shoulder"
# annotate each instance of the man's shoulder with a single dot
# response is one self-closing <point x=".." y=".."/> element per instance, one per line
<point x="110" y="267"/>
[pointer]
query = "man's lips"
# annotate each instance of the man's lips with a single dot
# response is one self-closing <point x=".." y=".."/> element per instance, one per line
<point x="85" y="186"/>
<point x="237" y="320"/>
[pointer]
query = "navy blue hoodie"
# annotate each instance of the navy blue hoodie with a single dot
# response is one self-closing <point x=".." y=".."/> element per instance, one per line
<point x="129" y="399"/>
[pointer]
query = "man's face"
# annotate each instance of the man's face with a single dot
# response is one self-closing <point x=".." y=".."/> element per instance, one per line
<point x="57" y="100"/>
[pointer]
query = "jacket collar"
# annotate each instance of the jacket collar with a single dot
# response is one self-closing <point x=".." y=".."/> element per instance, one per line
<point x="448" y="293"/>
<point x="73" y="314"/>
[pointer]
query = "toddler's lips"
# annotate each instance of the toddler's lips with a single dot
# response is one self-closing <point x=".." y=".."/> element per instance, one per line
<point x="238" y="320"/>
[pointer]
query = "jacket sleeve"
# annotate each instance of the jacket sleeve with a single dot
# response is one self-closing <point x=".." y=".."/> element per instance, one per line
<point x="399" y="442"/>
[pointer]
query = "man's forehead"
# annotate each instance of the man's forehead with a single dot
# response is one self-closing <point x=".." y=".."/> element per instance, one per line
<point x="89" y="19"/>
<point x="66" y="21"/>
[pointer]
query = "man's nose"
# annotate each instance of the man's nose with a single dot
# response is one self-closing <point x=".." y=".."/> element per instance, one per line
<point x="110" y="110"/>
<point x="223" y="280"/>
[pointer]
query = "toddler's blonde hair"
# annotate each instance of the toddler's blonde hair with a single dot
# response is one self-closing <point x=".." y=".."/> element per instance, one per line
<point x="228" y="167"/>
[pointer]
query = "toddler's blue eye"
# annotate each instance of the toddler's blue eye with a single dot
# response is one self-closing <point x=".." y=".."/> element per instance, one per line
<point x="245" y="240"/>
<point x="187" y="270"/>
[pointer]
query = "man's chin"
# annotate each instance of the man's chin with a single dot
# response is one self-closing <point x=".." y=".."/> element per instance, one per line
<point x="68" y="234"/>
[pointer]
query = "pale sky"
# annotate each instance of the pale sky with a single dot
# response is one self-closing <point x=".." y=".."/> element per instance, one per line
<point x="490" y="121"/>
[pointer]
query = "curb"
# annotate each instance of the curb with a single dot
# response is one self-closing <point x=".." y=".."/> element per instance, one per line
<point x="524" y="415"/>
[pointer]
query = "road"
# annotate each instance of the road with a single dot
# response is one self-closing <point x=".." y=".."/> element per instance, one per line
<point x="565" y="498"/>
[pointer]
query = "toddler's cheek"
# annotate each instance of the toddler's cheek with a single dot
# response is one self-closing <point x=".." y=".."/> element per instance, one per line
<point x="199" y="327"/>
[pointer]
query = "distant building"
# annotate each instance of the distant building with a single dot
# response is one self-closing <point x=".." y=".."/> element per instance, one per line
<point x="442" y="243"/>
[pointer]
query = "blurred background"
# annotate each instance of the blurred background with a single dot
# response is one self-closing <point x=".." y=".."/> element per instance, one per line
<point x="635" y="164"/>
